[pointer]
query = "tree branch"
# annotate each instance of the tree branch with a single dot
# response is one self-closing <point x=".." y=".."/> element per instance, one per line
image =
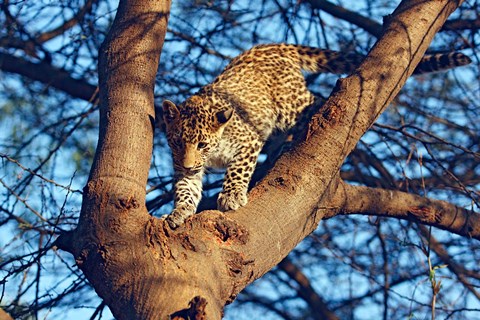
<point x="375" y="28"/>
<point x="33" y="44"/>
<point x="369" y="25"/>
<point x="401" y="205"/>
<point x="459" y="270"/>
<point x="48" y="35"/>
<point x="305" y="290"/>
<point x="111" y="243"/>
<point x="49" y="75"/>
<point x="462" y="24"/>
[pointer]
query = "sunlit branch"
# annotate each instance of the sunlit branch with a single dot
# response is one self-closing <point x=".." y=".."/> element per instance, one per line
<point x="396" y="204"/>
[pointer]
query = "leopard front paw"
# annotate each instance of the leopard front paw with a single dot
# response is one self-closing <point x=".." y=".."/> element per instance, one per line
<point x="178" y="216"/>
<point x="231" y="200"/>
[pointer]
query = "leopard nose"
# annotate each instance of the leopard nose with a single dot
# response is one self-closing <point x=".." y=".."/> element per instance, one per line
<point x="189" y="159"/>
<point x="188" y="165"/>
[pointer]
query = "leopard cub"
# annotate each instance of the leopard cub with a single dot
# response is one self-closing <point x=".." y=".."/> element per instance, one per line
<point x="226" y="123"/>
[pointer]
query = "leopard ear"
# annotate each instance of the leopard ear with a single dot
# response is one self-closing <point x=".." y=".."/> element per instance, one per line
<point x="170" y="111"/>
<point x="224" y="115"/>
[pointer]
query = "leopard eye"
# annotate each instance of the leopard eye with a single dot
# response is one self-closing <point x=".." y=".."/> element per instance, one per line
<point x="201" y="145"/>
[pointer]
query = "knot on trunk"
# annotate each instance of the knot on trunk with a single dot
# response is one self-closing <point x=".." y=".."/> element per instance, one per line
<point x="195" y="310"/>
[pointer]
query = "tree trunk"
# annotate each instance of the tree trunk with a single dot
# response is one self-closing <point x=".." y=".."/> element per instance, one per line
<point x="145" y="270"/>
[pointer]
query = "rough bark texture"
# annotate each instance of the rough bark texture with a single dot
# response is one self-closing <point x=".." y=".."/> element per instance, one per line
<point x="110" y="243"/>
<point x="391" y="203"/>
<point x="143" y="269"/>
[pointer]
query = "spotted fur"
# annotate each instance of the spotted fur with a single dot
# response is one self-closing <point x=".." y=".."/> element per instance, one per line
<point x="228" y="121"/>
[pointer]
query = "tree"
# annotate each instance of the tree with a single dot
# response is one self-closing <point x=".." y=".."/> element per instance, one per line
<point x="142" y="269"/>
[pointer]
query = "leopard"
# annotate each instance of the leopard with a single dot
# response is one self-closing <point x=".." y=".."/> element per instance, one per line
<point x="227" y="122"/>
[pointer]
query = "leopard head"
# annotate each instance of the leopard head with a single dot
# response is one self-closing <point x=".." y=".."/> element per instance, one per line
<point x="194" y="129"/>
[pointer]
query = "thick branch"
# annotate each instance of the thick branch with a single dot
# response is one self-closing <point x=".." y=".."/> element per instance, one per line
<point x="110" y="243"/>
<point x="462" y="24"/>
<point x="401" y="205"/>
<point x="49" y="75"/>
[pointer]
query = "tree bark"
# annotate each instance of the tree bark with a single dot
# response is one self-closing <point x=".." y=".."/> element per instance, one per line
<point x="396" y="204"/>
<point x="4" y="315"/>
<point x="110" y="243"/>
<point x="145" y="270"/>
